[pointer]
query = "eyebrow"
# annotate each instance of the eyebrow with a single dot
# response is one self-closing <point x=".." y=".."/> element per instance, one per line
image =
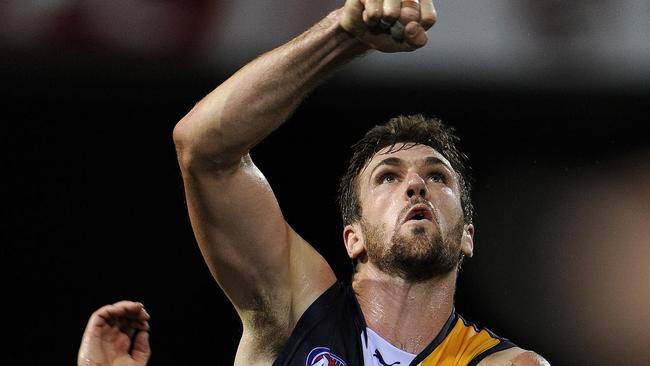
<point x="430" y="160"/>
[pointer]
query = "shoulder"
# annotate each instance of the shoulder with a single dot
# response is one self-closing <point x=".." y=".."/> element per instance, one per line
<point x="514" y="357"/>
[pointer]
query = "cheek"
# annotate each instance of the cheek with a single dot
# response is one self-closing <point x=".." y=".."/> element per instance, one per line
<point x="382" y="204"/>
<point x="447" y="191"/>
<point x="451" y="202"/>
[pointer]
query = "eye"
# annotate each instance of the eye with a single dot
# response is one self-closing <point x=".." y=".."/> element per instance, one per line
<point x="437" y="177"/>
<point x="387" y="178"/>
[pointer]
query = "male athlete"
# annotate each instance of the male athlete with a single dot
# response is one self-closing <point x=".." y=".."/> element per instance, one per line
<point x="405" y="205"/>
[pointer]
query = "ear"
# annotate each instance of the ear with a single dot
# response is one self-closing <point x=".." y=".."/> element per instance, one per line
<point x="467" y="241"/>
<point x="354" y="241"/>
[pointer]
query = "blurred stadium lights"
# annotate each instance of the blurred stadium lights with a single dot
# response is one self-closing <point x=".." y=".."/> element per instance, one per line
<point x="120" y="28"/>
<point x="592" y="240"/>
<point x="595" y="43"/>
<point x="529" y="43"/>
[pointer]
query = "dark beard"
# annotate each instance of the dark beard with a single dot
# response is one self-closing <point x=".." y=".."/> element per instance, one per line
<point x="417" y="258"/>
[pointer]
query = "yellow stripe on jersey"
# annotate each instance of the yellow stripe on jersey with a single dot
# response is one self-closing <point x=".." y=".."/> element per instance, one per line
<point x="461" y="345"/>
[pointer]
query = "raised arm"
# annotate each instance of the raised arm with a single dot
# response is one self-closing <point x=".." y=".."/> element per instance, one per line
<point x="264" y="267"/>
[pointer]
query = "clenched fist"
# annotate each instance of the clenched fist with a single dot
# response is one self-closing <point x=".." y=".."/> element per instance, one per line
<point x="389" y="25"/>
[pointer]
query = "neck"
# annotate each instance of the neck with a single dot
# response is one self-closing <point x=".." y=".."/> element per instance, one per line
<point x="408" y="315"/>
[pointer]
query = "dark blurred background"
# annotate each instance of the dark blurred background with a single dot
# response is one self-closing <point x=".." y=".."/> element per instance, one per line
<point x="551" y="100"/>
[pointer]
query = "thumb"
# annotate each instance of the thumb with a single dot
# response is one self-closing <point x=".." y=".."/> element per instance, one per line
<point x="141" y="350"/>
<point x="415" y="35"/>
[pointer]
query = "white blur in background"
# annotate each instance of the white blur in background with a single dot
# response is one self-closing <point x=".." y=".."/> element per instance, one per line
<point x="550" y="44"/>
<point x="599" y="221"/>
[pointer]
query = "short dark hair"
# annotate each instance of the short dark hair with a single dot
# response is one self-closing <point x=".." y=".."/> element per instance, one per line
<point x="416" y="129"/>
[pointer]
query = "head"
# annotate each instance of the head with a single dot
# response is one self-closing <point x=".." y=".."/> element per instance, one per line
<point x="405" y="199"/>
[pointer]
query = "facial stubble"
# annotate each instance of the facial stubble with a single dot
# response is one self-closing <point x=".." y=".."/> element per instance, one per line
<point x="417" y="257"/>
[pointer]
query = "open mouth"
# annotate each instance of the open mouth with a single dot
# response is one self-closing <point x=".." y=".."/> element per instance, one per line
<point x="419" y="212"/>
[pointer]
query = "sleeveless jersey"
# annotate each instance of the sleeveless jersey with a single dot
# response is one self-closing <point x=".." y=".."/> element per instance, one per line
<point x="332" y="332"/>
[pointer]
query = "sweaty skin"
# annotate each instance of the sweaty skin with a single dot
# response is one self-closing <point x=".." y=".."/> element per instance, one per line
<point x="269" y="273"/>
<point x="404" y="312"/>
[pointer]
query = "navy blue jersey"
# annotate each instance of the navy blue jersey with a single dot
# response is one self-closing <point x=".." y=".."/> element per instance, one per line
<point x="330" y="329"/>
<point x="330" y="333"/>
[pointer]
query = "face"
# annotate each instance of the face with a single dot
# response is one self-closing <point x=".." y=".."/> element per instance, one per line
<point x="412" y="222"/>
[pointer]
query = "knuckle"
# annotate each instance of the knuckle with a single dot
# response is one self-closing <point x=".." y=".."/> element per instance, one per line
<point x="391" y="14"/>
<point x="373" y="13"/>
<point x="429" y="20"/>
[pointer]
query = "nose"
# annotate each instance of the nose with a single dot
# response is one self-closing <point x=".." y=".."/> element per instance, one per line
<point x="416" y="186"/>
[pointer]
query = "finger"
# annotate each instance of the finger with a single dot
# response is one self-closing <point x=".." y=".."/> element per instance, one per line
<point x="391" y="11"/>
<point x="144" y="326"/>
<point x="130" y="329"/>
<point x="372" y="12"/>
<point x="351" y="18"/>
<point x="97" y="321"/>
<point x="130" y="309"/>
<point x="106" y="315"/>
<point x="409" y="12"/>
<point x="144" y="315"/>
<point x="428" y="14"/>
<point x="110" y="315"/>
<point x="141" y="350"/>
<point x="415" y="35"/>
<point x="137" y="325"/>
<point x="123" y="315"/>
<point x="131" y="326"/>
<point x="129" y="306"/>
<point x="119" y="309"/>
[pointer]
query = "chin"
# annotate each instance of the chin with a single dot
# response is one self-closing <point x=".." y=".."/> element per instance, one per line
<point x="419" y="236"/>
<point x="419" y="230"/>
<point x="421" y="255"/>
<point x="416" y="252"/>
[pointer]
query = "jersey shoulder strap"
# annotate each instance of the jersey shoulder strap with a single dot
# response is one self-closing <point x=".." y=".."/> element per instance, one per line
<point x="461" y="343"/>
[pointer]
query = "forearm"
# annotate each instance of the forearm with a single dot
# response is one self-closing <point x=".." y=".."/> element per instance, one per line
<point x="257" y="99"/>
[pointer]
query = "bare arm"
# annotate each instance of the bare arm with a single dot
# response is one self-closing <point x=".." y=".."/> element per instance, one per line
<point x="263" y="266"/>
<point x="257" y="99"/>
<point x="235" y="216"/>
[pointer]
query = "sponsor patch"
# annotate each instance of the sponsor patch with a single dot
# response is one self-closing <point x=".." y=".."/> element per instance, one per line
<point x="322" y="356"/>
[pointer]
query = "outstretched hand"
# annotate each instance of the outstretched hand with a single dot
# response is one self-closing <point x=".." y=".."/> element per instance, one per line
<point x="389" y="25"/>
<point x="116" y="335"/>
